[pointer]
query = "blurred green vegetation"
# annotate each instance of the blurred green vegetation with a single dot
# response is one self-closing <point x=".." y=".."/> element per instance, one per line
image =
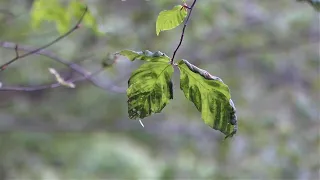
<point x="266" y="51"/>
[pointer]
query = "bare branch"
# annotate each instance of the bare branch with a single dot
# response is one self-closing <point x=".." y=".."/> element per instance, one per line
<point x="46" y="53"/>
<point x="16" y="50"/>
<point x="86" y="75"/>
<point x="109" y="87"/>
<point x="5" y="65"/>
<point x="75" y="67"/>
<point x="36" y="88"/>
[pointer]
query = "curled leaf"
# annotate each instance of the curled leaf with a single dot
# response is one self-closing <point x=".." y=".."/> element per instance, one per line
<point x="145" y="55"/>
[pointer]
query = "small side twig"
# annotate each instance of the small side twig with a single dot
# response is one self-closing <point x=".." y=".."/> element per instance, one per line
<point x="16" y="50"/>
<point x="183" y="30"/>
<point x="5" y="65"/>
<point x="73" y="66"/>
<point x="60" y="79"/>
<point x="110" y="87"/>
<point x="43" y="87"/>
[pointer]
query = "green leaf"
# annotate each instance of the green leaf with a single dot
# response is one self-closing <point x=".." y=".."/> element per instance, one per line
<point x="169" y="19"/>
<point x="210" y="96"/>
<point x="145" y="56"/>
<point x="150" y="89"/>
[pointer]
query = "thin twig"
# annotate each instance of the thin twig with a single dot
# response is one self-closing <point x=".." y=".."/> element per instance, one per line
<point x="38" y="88"/>
<point x="43" y="52"/>
<point x="183" y="31"/>
<point x="4" y="66"/>
<point x="27" y="89"/>
<point x="109" y="87"/>
<point x="75" y="67"/>
<point x="16" y="50"/>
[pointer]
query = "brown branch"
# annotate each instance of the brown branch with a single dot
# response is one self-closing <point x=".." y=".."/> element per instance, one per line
<point x="5" y="65"/>
<point x="35" y="88"/>
<point x="109" y="87"/>
<point x="16" y="50"/>
<point x="46" y="53"/>
<point x="43" y="87"/>
<point x="38" y="88"/>
<point x="75" y="67"/>
<point x="86" y="75"/>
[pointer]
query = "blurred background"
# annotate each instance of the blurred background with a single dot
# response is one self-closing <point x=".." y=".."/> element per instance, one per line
<point x="266" y="51"/>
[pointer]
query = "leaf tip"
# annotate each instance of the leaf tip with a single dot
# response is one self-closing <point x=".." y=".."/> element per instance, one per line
<point x="232" y="133"/>
<point x="158" y="31"/>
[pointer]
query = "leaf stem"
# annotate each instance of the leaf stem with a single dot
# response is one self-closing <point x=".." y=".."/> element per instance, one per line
<point x="183" y="31"/>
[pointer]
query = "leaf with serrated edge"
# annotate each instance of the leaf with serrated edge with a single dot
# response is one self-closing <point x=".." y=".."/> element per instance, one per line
<point x="150" y="89"/>
<point x="145" y="55"/>
<point x="169" y="19"/>
<point x="210" y="96"/>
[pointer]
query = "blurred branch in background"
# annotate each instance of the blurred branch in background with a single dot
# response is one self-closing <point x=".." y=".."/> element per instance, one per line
<point x="75" y="67"/>
<point x="5" y="65"/>
<point x="41" y="51"/>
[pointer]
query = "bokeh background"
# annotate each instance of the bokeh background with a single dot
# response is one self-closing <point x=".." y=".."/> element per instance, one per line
<point x="266" y="51"/>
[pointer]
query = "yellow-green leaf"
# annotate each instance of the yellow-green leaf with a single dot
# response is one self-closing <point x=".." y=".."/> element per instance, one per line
<point x="63" y="17"/>
<point x="50" y="10"/>
<point x="169" y="19"/>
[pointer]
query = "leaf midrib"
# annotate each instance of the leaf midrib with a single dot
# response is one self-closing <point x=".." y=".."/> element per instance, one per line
<point x="190" y="74"/>
<point x="156" y="80"/>
<point x="193" y="77"/>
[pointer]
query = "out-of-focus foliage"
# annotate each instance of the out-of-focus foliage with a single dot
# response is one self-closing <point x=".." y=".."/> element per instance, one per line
<point x="53" y="10"/>
<point x="266" y="51"/>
